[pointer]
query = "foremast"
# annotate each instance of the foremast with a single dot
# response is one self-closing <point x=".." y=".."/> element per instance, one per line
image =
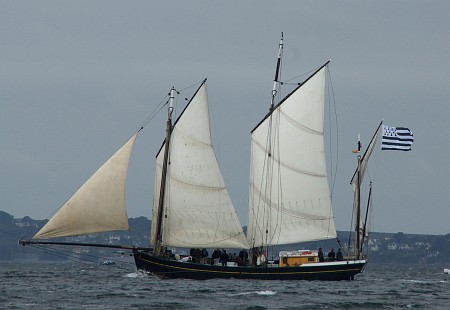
<point x="157" y="242"/>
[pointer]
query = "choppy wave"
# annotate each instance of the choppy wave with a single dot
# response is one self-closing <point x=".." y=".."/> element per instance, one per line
<point x="68" y="286"/>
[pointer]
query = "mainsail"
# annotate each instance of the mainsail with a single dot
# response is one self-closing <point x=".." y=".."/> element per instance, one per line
<point x="198" y="211"/>
<point x="99" y="205"/>
<point x="289" y="198"/>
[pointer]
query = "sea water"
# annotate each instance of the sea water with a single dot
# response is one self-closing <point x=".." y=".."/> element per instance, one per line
<point x="74" y="285"/>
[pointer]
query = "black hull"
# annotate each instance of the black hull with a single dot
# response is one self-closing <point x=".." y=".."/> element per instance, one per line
<point x="165" y="268"/>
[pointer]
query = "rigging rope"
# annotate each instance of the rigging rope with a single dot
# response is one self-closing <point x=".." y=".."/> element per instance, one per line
<point x="69" y="255"/>
<point x="162" y="104"/>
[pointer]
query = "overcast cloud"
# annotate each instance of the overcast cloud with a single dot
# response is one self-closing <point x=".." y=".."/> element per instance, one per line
<point x="78" y="78"/>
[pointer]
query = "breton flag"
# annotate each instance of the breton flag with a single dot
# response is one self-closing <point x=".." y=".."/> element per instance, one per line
<point x="397" y="138"/>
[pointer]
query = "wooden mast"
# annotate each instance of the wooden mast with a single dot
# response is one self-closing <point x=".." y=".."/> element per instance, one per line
<point x="358" y="245"/>
<point x="276" y="81"/>
<point x="158" y="235"/>
<point x="275" y="88"/>
<point x="360" y="227"/>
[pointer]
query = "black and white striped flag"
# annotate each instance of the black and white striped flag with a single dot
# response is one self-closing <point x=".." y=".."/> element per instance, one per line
<point x="397" y="138"/>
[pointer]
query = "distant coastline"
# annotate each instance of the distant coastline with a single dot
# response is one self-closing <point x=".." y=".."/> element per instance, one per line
<point x="383" y="247"/>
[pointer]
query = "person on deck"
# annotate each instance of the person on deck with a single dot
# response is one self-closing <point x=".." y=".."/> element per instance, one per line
<point x="204" y="257"/>
<point x="215" y="257"/>
<point x="197" y="255"/>
<point x="243" y="254"/>
<point x="339" y="255"/>
<point x="321" y="258"/>
<point x="224" y="258"/>
<point x="331" y="255"/>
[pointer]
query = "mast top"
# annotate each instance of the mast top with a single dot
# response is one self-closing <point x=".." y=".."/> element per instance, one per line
<point x="281" y="41"/>
<point x="276" y="81"/>
<point x="171" y="99"/>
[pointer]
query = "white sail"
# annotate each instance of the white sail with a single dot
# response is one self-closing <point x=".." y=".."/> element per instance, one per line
<point x="99" y="205"/>
<point x="198" y="211"/>
<point x="289" y="199"/>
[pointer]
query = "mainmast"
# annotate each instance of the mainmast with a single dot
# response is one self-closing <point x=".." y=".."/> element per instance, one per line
<point x="157" y="243"/>
<point x="269" y="175"/>
<point x="276" y="81"/>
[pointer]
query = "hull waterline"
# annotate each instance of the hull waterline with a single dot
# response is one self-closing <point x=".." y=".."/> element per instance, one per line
<point x="165" y="268"/>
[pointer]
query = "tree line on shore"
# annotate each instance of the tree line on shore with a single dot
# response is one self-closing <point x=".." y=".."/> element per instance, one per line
<point x="382" y="247"/>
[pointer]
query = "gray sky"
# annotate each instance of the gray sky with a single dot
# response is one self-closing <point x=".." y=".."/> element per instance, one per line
<point x="78" y="78"/>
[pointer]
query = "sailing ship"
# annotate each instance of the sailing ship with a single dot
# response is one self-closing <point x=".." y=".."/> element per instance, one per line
<point x="289" y="196"/>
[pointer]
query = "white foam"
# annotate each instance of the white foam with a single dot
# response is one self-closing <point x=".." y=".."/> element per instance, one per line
<point x="267" y="293"/>
<point x="137" y="274"/>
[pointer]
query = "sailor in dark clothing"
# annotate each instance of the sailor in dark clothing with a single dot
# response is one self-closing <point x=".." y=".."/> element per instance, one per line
<point x="321" y="258"/>
<point x="339" y="255"/>
<point x="243" y="255"/>
<point x="205" y="253"/>
<point x="215" y="257"/>
<point x="197" y="255"/>
<point x="331" y="255"/>
<point x="204" y="257"/>
<point x="224" y="258"/>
